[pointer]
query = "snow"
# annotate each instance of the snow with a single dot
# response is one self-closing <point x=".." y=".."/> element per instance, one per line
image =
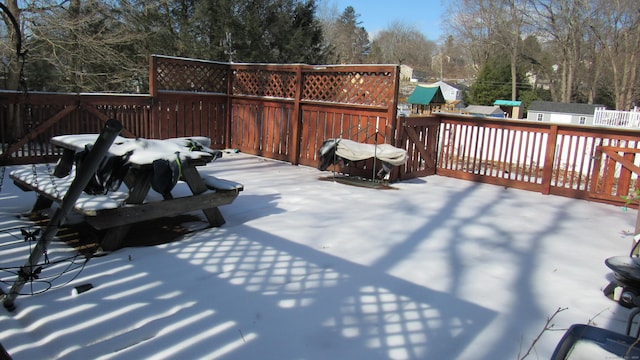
<point x="143" y="151"/>
<point x="436" y="268"/>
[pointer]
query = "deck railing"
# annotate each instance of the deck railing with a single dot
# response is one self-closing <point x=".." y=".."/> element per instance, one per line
<point x="285" y="112"/>
<point x="549" y="158"/>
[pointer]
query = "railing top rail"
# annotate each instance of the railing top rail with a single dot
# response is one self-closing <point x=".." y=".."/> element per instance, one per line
<point x="177" y="58"/>
<point x="535" y="124"/>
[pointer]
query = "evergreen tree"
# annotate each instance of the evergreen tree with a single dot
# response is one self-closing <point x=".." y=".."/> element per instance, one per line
<point x="494" y="82"/>
<point x="92" y="45"/>
<point x="278" y="31"/>
<point x="348" y="40"/>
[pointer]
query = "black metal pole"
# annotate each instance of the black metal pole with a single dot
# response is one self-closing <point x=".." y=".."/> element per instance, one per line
<point x="89" y="166"/>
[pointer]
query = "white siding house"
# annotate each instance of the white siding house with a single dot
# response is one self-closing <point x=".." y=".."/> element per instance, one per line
<point x="406" y="73"/>
<point x="562" y="113"/>
<point x="452" y="94"/>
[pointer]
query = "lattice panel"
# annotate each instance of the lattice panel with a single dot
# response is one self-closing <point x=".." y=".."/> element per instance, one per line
<point x="362" y="88"/>
<point x="190" y="76"/>
<point x="278" y="84"/>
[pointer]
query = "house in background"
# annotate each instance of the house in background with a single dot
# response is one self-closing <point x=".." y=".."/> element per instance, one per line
<point x="425" y="99"/>
<point x="562" y="113"/>
<point x="406" y="73"/>
<point x="452" y="94"/>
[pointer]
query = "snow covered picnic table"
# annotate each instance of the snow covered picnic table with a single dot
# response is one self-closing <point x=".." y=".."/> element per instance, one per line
<point x="144" y="164"/>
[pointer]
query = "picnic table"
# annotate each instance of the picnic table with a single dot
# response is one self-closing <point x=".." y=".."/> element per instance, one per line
<point x="113" y="212"/>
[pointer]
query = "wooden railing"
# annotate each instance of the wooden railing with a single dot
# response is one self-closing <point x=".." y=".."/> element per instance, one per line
<point x="27" y="123"/>
<point x="566" y="160"/>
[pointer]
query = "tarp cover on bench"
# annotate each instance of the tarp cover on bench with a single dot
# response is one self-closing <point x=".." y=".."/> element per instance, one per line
<point x="355" y="151"/>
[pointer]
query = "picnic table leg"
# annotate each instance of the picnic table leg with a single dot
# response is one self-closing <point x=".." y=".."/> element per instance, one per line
<point x="138" y="182"/>
<point x="113" y="238"/>
<point x="109" y="133"/>
<point x="196" y="184"/>
<point x="63" y="168"/>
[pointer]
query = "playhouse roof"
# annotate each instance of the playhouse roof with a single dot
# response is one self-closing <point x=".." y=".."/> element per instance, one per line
<point x="426" y="95"/>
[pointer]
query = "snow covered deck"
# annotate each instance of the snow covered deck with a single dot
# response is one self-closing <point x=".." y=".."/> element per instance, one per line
<point x="306" y="269"/>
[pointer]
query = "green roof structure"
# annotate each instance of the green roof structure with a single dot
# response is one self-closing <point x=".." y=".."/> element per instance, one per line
<point x="423" y="95"/>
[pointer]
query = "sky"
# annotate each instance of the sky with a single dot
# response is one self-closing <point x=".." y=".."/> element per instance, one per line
<point x="378" y="15"/>
<point x="310" y="268"/>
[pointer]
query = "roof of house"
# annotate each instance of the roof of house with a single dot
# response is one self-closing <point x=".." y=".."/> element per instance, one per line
<point x="483" y="110"/>
<point x="567" y="108"/>
<point x="425" y="95"/>
<point x="442" y="82"/>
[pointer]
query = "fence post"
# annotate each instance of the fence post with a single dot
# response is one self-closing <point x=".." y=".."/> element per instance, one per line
<point x="229" y="108"/>
<point x="153" y="82"/>
<point x="393" y="108"/>
<point x="550" y="154"/>
<point x="294" y="151"/>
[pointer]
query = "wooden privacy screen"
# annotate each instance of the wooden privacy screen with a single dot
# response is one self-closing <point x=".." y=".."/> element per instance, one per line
<point x="171" y="74"/>
<point x="279" y="111"/>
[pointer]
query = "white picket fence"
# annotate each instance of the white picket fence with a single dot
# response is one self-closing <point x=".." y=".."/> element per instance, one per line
<point x="614" y="118"/>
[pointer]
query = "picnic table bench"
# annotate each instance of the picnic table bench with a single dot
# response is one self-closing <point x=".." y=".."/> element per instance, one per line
<point x="112" y="213"/>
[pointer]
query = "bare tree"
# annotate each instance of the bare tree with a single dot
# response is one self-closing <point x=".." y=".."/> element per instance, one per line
<point x="13" y="55"/>
<point x="454" y="61"/>
<point x="617" y="28"/>
<point x="511" y="32"/>
<point x="88" y="44"/>
<point x="488" y="26"/>
<point x="562" y="22"/>
<point x="402" y="44"/>
<point x="10" y="50"/>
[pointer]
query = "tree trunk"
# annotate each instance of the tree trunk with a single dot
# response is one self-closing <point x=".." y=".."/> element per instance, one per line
<point x="515" y="51"/>
<point x="631" y="70"/>
<point x="13" y="81"/>
<point x="13" y="77"/>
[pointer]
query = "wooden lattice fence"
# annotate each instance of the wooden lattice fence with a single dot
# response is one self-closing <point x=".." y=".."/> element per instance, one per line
<point x="171" y="74"/>
<point x="279" y="111"/>
<point x="285" y="112"/>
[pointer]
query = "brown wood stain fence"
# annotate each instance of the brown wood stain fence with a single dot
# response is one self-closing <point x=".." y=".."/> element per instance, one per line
<point x="285" y="112"/>
<point x="567" y="160"/>
<point x="273" y="111"/>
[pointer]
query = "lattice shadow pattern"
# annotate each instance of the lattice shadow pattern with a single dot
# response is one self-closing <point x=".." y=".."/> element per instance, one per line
<point x="380" y="316"/>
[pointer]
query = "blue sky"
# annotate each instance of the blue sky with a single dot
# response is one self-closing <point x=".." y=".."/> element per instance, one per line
<point x="378" y="15"/>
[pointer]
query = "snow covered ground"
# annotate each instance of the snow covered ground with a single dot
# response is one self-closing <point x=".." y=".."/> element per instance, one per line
<point x="437" y="268"/>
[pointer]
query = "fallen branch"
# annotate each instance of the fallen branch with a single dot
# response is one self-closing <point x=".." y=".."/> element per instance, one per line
<point x="547" y="326"/>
